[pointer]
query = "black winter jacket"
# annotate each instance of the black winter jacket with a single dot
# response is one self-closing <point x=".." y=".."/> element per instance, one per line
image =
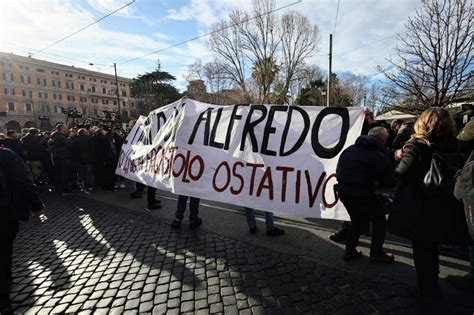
<point x="16" y="146"/>
<point x="86" y="149"/>
<point x="403" y="135"/>
<point x="418" y="214"/>
<point x="34" y="148"/>
<point x="61" y="146"/>
<point x="362" y="167"/>
<point x="19" y="195"/>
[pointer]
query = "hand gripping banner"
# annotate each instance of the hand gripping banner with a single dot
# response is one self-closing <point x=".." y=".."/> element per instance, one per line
<point x="275" y="158"/>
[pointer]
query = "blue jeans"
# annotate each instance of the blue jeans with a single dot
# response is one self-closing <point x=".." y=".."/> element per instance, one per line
<point x="250" y="215"/>
<point x="193" y="208"/>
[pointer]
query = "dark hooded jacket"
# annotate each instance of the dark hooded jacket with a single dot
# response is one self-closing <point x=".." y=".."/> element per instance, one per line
<point x="18" y="195"/>
<point x="362" y="167"/>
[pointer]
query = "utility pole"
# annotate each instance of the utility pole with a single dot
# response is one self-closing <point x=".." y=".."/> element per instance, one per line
<point x="328" y="94"/>
<point x="117" y="93"/>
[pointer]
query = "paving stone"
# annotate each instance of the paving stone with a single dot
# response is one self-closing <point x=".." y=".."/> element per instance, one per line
<point x="201" y="272"/>
<point x="145" y="307"/>
<point x="258" y="310"/>
<point x="160" y="298"/>
<point x="105" y="302"/>
<point x="216" y="308"/>
<point x="200" y="304"/>
<point x="60" y="308"/>
<point x="160" y="309"/>
<point x="90" y="304"/>
<point x="227" y="291"/>
<point x="229" y="300"/>
<point x="187" y="306"/>
<point x="173" y="303"/>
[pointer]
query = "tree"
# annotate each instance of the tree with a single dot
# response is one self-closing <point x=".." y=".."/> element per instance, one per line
<point x="226" y="42"/>
<point x="434" y="55"/>
<point x="264" y="73"/>
<point x="349" y="89"/>
<point x="340" y="93"/>
<point x="253" y="45"/>
<point x="155" y="89"/>
<point x="277" y="96"/>
<point x="299" y="42"/>
<point x="313" y="94"/>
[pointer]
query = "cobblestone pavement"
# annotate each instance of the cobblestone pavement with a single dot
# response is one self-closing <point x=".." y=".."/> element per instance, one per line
<point x="91" y="257"/>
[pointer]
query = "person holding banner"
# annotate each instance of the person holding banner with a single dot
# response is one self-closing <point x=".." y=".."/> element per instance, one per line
<point x="360" y="167"/>
<point x="270" y="223"/>
<point x="194" y="220"/>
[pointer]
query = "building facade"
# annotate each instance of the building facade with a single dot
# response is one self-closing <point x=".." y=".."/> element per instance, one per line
<point x="37" y="93"/>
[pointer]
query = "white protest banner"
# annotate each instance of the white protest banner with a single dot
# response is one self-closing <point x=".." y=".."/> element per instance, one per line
<point x="269" y="157"/>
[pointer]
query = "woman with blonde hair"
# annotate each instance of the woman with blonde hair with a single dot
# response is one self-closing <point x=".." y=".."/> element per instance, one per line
<point x="427" y="213"/>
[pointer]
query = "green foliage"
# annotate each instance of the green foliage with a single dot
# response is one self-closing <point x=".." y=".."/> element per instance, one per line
<point x="155" y="89"/>
<point x="312" y="94"/>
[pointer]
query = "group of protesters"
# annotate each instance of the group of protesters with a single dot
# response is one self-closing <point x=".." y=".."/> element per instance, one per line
<point x="392" y="155"/>
<point x="70" y="159"/>
<point x="420" y="163"/>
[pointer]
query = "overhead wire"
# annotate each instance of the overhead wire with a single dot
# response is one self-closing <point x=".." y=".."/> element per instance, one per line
<point x="83" y="28"/>
<point x="29" y="49"/>
<point x="210" y="33"/>
<point x="335" y="20"/>
<point x="368" y="44"/>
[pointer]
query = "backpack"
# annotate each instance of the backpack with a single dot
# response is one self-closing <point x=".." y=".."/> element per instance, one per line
<point x="464" y="191"/>
<point x="440" y="177"/>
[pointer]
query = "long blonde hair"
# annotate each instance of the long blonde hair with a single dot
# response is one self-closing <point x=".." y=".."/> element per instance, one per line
<point x="434" y="122"/>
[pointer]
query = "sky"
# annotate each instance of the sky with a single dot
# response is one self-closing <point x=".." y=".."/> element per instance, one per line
<point x="363" y="33"/>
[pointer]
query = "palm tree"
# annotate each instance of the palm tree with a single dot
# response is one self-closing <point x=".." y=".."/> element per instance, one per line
<point x="264" y="72"/>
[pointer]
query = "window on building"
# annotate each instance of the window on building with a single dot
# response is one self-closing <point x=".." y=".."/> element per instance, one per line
<point x="95" y="111"/>
<point x="124" y="113"/>
<point x="93" y="89"/>
<point x="124" y="93"/>
<point x="69" y="85"/>
<point x="115" y="102"/>
<point x="124" y="104"/>
<point x="40" y="70"/>
<point x="58" y="109"/>
<point x="23" y="92"/>
<point x="11" y="106"/>
<point x="104" y="90"/>
<point x="41" y="81"/>
<point x="81" y="87"/>
<point x="12" y="91"/>
<point x="44" y="108"/>
<point x="56" y="83"/>
<point x="28" y="107"/>
<point x="30" y="93"/>
<point x="133" y="104"/>
<point x="8" y="77"/>
<point x="25" y="79"/>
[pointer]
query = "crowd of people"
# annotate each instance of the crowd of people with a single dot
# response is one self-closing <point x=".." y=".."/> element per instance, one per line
<point x="420" y="163"/>
<point x="399" y="156"/>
